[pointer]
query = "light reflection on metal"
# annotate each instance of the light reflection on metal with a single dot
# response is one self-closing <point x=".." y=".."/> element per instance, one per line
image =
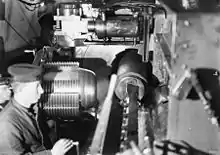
<point x="183" y="86"/>
<point x="67" y="88"/>
<point x="124" y="127"/>
<point x="116" y="27"/>
<point x="189" y="4"/>
<point x="167" y="54"/>
<point x="101" y="129"/>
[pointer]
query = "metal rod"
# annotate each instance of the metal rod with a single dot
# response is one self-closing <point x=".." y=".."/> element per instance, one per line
<point x="146" y="34"/>
<point x="99" y="136"/>
<point x="86" y="42"/>
<point x="142" y="129"/>
<point x="77" y="147"/>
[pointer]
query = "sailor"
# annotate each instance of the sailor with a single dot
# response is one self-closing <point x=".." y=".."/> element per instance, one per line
<point x="5" y="92"/>
<point x="19" y="130"/>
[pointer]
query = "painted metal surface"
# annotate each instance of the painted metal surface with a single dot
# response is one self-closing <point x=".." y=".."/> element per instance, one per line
<point x="197" y="46"/>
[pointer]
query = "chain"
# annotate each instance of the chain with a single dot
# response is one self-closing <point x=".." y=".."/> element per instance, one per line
<point x="124" y="126"/>
<point x="183" y="87"/>
<point x="142" y="129"/>
<point x="205" y="98"/>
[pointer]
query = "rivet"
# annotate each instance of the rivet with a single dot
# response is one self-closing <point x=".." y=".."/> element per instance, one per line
<point x="216" y="73"/>
<point x="186" y="23"/>
<point x="207" y="107"/>
<point x="169" y="87"/>
<point x="214" y="121"/>
<point x="184" y="66"/>
<point x="208" y="95"/>
<point x="171" y="147"/>
<point x="146" y="138"/>
<point x="174" y="76"/>
<point x="156" y="40"/>
<point x="205" y="103"/>
<point x="164" y="63"/>
<point x="189" y="129"/>
<point x="183" y="151"/>
<point x="185" y="46"/>
<point x="175" y="56"/>
<point x="147" y="151"/>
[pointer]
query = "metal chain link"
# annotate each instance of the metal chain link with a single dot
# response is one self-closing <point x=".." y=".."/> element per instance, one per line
<point x="124" y="126"/>
<point x="205" y="98"/>
<point x="142" y="128"/>
<point x="183" y="87"/>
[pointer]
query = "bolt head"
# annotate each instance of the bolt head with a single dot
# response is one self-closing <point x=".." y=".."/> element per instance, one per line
<point x="185" y="45"/>
<point x="184" y="66"/>
<point x="186" y="23"/>
<point x="214" y="121"/>
<point x="174" y="76"/>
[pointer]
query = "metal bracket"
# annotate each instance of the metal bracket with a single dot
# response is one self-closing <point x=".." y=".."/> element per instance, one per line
<point x="185" y="84"/>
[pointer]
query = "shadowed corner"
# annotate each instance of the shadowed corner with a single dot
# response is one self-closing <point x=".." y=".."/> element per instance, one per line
<point x="209" y="80"/>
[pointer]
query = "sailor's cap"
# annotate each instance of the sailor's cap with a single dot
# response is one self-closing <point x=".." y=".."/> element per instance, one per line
<point x="25" y="72"/>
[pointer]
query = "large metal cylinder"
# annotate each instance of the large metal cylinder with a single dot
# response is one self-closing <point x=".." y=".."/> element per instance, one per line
<point x="130" y="70"/>
<point x="68" y="88"/>
<point x="123" y="26"/>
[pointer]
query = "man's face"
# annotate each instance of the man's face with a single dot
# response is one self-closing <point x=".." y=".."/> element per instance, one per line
<point x="32" y="91"/>
<point x="5" y="93"/>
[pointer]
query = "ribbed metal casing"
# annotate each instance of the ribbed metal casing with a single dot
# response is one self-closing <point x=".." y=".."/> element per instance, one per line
<point x="68" y="89"/>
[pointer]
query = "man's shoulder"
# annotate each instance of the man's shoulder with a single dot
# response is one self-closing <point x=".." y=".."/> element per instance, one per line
<point x="7" y="126"/>
<point x="8" y="115"/>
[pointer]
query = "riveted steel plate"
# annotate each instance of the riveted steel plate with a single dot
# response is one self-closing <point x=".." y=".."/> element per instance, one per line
<point x="197" y="45"/>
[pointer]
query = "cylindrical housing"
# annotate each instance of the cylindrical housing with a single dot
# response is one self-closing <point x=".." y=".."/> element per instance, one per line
<point x="68" y="90"/>
<point x="117" y="27"/>
<point x="68" y="9"/>
<point x="130" y="70"/>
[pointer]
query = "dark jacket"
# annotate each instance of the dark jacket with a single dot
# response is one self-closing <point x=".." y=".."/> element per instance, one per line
<point x="19" y="132"/>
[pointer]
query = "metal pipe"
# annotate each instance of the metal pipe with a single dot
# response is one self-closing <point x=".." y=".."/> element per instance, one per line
<point x="108" y="43"/>
<point x="77" y="147"/>
<point x="117" y="27"/>
<point x="146" y="34"/>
